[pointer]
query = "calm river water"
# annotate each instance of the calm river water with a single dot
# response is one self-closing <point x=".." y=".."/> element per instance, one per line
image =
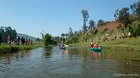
<point x="74" y="62"/>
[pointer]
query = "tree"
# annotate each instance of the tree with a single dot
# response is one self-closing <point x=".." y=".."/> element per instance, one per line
<point x="85" y="19"/>
<point x="85" y="28"/>
<point x="48" y="39"/>
<point x="85" y="16"/>
<point x="123" y="16"/>
<point x="70" y="31"/>
<point x="116" y="15"/>
<point x="134" y="28"/>
<point x="138" y="9"/>
<point x="38" y="39"/>
<point x="63" y="35"/>
<point x="5" y="31"/>
<point x="66" y="35"/>
<point x="100" y="22"/>
<point x="133" y="8"/>
<point x="91" y="24"/>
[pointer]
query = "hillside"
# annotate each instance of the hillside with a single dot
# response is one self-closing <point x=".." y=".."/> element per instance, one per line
<point x="112" y="28"/>
<point x="26" y="36"/>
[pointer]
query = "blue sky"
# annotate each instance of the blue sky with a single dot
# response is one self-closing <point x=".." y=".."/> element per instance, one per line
<point x="55" y="16"/>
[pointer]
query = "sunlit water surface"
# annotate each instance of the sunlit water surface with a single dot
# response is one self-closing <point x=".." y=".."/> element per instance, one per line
<point x="74" y="62"/>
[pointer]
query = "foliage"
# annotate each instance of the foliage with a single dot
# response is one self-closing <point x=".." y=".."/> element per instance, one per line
<point x="70" y="31"/>
<point x="72" y="40"/>
<point x="135" y="8"/>
<point x="122" y="16"/>
<point x="63" y="35"/>
<point x="134" y="28"/>
<point x="5" y="31"/>
<point x="85" y="29"/>
<point x="91" y="24"/>
<point x="100" y="22"/>
<point x="85" y="16"/>
<point x="48" y="39"/>
<point x="126" y="18"/>
<point x="85" y="19"/>
<point x="38" y="39"/>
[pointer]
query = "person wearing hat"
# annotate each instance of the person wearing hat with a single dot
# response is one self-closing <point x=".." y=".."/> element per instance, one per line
<point x="91" y="45"/>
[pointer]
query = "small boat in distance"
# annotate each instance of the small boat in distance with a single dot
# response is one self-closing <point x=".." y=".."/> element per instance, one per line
<point x="62" y="46"/>
<point x="96" y="49"/>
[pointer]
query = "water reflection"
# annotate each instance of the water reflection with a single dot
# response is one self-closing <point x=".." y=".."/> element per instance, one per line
<point x="14" y="56"/>
<point x="47" y="52"/>
<point x="63" y="52"/>
<point x="53" y="62"/>
<point x="96" y="54"/>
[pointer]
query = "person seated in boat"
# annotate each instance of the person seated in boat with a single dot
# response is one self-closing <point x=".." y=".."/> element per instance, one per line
<point x="96" y="45"/>
<point x="91" y="45"/>
<point x="62" y="45"/>
<point x="59" y="45"/>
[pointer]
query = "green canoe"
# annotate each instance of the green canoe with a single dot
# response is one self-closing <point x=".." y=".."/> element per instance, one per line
<point x="96" y="49"/>
<point x="62" y="47"/>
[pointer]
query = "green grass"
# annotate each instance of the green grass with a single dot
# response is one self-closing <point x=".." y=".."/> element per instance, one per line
<point x="125" y="44"/>
<point x="4" y="48"/>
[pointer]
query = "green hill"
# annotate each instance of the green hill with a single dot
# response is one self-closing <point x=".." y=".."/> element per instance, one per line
<point x="26" y="36"/>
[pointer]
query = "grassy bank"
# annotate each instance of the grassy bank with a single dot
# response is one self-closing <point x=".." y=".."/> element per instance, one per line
<point x="124" y="44"/>
<point x="4" y="48"/>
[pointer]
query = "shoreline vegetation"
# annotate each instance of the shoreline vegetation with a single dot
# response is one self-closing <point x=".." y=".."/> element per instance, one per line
<point x="121" y="33"/>
<point x="131" y="44"/>
<point x="5" y="48"/>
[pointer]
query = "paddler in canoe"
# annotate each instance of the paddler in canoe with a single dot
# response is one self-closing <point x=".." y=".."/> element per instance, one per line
<point x="94" y="45"/>
<point x="61" y="46"/>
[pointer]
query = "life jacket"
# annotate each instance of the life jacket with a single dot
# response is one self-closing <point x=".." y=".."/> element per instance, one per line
<point x="96" y="46"/>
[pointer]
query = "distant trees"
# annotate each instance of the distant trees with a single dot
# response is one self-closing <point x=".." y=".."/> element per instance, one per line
<point x="70" y="32"/>
<point x="135" y="8"/>
<point x="38" y="39"/>
<point x="134" y="28"/>
<point x="48" y="39"/>
<point x="85" y="28"/>
<point x="63" y="35"/>
<point x="100" y="22"/>
<point x="130" y="19"/>
<point x="122" y="16"/>
<point x="91" y="24"/>
<point x="5" y="31"/>
<point x="85" y="19"/>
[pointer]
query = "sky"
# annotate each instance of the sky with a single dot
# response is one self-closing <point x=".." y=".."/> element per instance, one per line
<point x="33" y="17"/>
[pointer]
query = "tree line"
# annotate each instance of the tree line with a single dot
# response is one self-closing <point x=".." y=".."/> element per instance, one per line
<point x="129" y="17"/>
<point x="7" y="31"/>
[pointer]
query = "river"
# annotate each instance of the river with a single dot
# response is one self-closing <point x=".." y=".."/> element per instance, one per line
<point x="74" y="62"/>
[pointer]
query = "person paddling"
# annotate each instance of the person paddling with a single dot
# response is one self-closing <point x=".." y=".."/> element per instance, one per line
<point x="96" y="45"/>
<point x="91" y="45"/>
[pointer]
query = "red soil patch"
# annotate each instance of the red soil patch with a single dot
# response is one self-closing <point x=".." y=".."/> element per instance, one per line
<point x="109" y="26"/>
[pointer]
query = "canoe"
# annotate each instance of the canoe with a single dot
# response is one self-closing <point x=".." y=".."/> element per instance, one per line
<point x="96" y="49"/>
<point x="62" y="47"/>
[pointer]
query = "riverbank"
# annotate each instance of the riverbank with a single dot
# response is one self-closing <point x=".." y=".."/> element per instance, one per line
<point x="4" y="48"/>
<point x="123" y="44"/>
